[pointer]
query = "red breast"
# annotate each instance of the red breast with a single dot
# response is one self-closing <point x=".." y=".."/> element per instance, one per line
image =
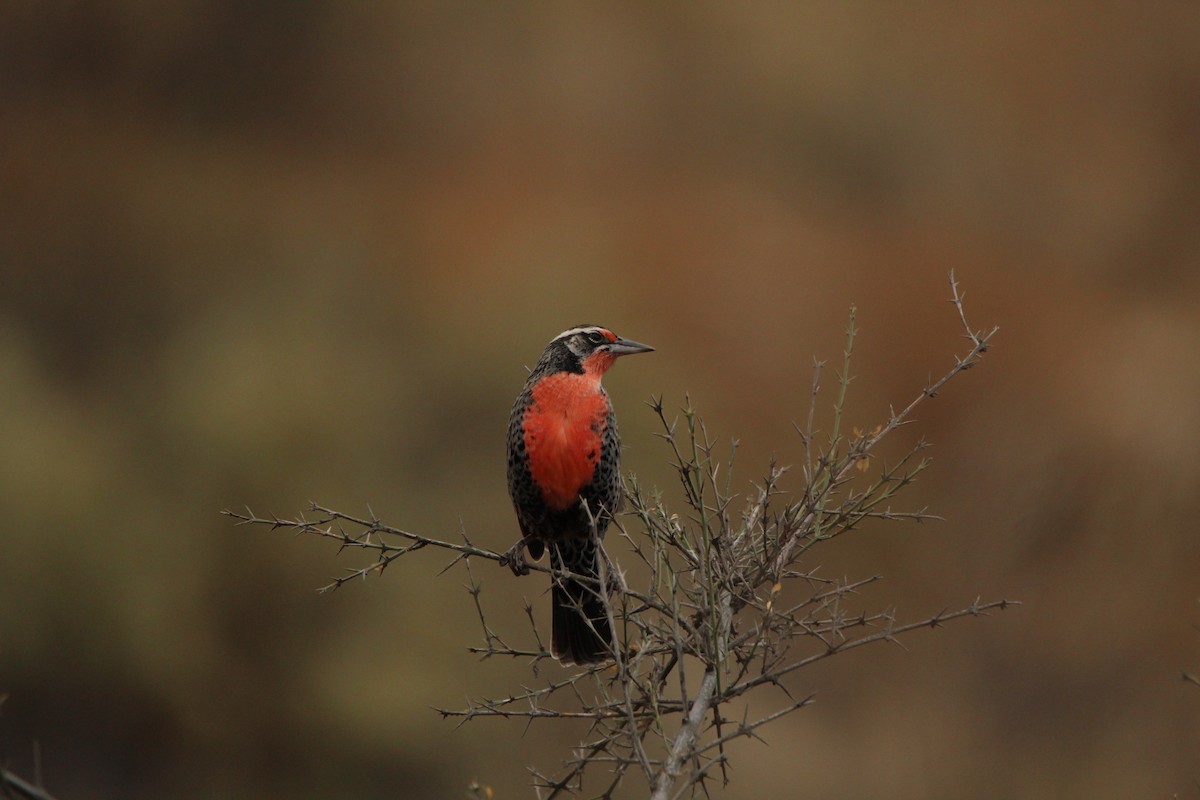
<point x="564" y="428"/>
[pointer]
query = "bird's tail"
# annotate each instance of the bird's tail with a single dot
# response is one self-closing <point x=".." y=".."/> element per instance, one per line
<point x="581" y="632"/>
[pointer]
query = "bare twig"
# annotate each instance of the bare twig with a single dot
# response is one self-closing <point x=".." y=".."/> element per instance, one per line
<point x="684" y="744"/>
<point x="727" y="586"/>
<point x="15" y="787"/>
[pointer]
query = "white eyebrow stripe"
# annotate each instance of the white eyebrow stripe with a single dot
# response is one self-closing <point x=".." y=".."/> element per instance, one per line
<point x="574" y="331"/>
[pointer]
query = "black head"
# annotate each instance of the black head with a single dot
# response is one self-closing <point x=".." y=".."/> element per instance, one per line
<point x="586" y="349"/>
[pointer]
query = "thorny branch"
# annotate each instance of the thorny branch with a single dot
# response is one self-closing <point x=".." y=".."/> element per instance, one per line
<point x="710" y="604"/>
<point x="15" y="787"/>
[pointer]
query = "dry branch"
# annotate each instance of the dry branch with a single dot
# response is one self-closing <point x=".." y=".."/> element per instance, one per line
<point x="728" y="600"/>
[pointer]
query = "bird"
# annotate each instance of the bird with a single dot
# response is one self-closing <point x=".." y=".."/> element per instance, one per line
<point x="564" y="477"/>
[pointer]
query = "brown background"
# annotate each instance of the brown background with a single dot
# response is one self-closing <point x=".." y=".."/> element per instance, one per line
<point x="278" y="252"/>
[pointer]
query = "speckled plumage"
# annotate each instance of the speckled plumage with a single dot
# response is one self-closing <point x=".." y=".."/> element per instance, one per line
<point x="564" y="457"/>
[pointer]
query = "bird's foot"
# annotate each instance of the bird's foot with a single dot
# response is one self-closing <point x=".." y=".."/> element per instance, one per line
<point x="514" y="559"/>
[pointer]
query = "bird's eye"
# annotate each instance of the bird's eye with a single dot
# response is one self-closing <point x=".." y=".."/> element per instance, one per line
<point x="595" y="337"/>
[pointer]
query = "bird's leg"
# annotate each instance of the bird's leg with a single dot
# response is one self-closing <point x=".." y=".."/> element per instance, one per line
<point x="514" y="558"/>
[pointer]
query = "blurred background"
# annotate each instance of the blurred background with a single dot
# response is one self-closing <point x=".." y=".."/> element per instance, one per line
<point x="267" y="253"/>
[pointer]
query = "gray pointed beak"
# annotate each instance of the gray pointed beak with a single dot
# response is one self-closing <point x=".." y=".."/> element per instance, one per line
<point x="628" y="347"/>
